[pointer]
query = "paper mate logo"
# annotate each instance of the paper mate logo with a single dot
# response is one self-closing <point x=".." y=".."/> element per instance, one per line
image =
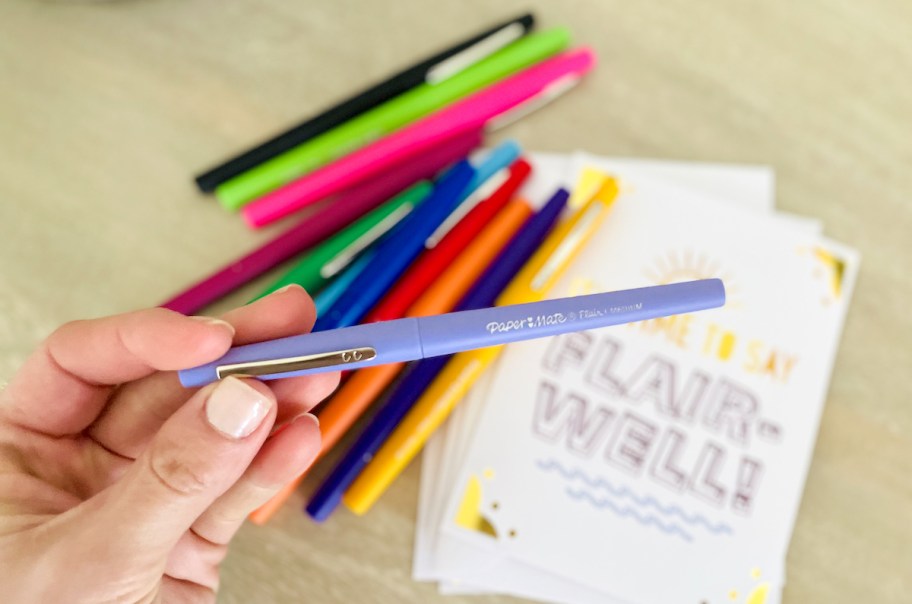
<point x="529" y="322"/>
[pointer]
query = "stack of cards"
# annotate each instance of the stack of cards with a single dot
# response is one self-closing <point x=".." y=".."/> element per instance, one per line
<point x="655" y="462"/>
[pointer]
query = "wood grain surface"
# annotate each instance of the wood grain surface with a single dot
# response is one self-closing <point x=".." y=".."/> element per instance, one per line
<point x="107" y="109"/>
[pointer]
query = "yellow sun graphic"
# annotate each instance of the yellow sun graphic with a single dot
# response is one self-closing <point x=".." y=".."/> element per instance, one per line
<point x="675" y="266"/>
<point x="829" y="269"/>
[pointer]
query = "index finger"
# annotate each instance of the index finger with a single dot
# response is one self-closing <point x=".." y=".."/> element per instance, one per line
<point x="64" y="385"/>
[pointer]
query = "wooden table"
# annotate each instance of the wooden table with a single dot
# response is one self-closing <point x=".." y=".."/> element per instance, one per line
<point x="107" y="109"/>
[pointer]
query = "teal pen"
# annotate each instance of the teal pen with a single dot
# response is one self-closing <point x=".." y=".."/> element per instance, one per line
<point x="329" y="294"/>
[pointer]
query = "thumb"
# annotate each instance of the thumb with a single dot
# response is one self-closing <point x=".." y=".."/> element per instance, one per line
<point x="200" y="452"/>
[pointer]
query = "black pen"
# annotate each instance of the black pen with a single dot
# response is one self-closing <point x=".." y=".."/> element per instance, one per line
<point x="435" y="68"/>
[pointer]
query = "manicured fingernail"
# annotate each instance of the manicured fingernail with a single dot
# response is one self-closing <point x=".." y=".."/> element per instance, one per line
<point x="309" y="416"/>
<point x="282" y="290"/>
<point x="311" y="442"/>
<point x="235" y="409"/>
<point x="214" y="321"/>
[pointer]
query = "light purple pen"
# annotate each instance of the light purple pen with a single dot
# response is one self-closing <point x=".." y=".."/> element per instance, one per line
<point x="422" y="337"/>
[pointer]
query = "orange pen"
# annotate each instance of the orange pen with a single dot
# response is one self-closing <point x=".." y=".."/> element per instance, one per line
<point x="365" y="385"/>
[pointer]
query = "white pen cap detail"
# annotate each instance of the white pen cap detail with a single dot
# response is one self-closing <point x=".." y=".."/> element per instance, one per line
<point x="475" y="53"/>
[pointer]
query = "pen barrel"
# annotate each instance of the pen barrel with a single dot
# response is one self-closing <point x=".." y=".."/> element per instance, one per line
<point x="392" y="341"/>
<point x="455" y="332"/>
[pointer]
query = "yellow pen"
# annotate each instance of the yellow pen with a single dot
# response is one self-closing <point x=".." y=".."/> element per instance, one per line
<point x="531" y="284"/>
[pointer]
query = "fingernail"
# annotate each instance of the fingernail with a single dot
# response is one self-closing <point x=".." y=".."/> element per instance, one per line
<point x="214" y="321"/>
<point x="282" y="290"/>
<point x="235" y="409"/>
<point x="309" y="416"/>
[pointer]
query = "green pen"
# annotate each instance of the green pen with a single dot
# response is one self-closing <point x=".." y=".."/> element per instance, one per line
<point x="385" y="118"/>
<point x="329" y="258"/>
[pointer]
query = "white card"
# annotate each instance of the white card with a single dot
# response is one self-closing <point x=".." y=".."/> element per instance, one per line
<point x="697" y="491"/>
<point x="753" y="188"/>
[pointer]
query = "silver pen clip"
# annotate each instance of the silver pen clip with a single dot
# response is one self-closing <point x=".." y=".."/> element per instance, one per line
<point x="549" y="93"/>
<point x="287" y="365"/>
<point x="567" y="247"/>
<point x="345" y="257"/>
<point x="474" y="53"/>
<point x="486" y="189"/>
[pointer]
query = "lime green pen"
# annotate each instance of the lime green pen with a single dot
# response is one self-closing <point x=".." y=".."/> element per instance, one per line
<point x="328" y="259"/>
<point x="386" y="118"/>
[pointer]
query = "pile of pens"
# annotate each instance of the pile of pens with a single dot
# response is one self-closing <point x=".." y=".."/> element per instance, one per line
<point x="409" y="220"/>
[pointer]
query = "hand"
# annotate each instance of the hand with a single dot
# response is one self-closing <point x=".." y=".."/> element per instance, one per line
<point x="117" y="484"/>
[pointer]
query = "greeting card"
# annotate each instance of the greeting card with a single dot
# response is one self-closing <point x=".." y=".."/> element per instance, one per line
<point x="676" y="446"/>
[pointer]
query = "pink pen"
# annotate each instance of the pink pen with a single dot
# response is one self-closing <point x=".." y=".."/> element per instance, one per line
<point x="489" y="107"/>
<point x="347" y="206"/>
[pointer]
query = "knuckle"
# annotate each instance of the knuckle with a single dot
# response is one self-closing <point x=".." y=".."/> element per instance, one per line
<point x="54" y="338"/>
<point x="175" y="472"/>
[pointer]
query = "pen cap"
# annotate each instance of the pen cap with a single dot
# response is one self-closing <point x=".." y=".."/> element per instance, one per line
<point x="516" y="253"/>
<point x="558" y="250"/>
<point x="398" y="249"/>
<point x="389" y="117"/>
<point x="376" y="94"/>
<point x="377" y="343"/>
<point x="329" y="258"/>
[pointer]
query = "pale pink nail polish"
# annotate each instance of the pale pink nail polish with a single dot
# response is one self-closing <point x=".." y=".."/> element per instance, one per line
<point x="235" y="409"/>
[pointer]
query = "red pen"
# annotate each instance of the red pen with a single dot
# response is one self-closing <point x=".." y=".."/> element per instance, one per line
<point x="432" y="262"/>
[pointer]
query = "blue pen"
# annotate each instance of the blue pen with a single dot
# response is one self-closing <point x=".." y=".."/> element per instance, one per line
<point x="340" y="284"/>
<point x="329" y="294"/>
<point x="483" y="294"/>
<point x="397" y="251"/>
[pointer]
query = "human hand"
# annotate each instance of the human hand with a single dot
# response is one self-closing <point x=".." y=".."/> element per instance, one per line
<point x="117" y="484"/>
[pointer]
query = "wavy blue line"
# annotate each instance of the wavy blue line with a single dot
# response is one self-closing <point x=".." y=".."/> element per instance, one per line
<point x="668" y="529"/>
<point x="644" y="501"/>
